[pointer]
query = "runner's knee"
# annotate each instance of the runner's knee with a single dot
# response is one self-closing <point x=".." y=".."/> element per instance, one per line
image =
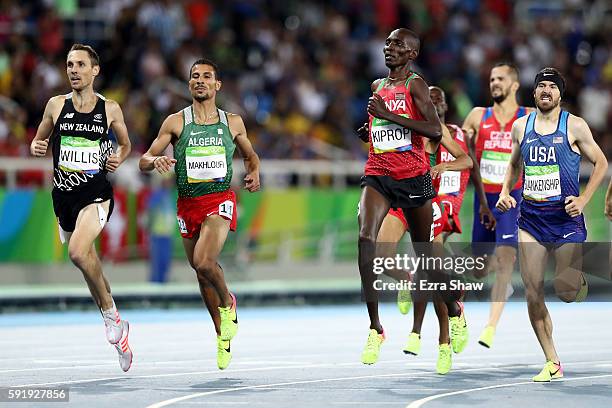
<point x="366" y="236"/>
<point x="504" y="274"/>
<point x="505" y="259"/>
<point x="533" y="291"/>
<point x="565" y="292"/>
<point x="78" y="255"/>
<point x="203" y="280"/>
<point x="205" y="267"/>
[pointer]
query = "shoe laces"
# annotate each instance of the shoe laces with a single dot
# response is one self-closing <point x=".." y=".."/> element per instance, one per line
<point x="445" y="351"/>
<point x="225" y="312"/>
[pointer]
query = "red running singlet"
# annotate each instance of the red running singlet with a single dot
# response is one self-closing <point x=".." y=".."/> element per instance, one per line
<point x="395" y="150"/>
<point x="493" y="149"/>
<point x="451" y="185"/>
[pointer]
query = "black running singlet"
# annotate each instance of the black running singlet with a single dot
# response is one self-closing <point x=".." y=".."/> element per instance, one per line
<point x="80" y="147"/>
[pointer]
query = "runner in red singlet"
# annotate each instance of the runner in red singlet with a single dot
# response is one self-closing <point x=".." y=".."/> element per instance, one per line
<point x="450" y="175"/>
<point x="490" y="143"/>
<point x="451" y="185"/>
<point x="397" y="170"/>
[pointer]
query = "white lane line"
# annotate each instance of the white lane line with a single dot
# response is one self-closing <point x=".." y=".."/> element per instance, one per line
<point x="407" y="375"/>
<point x="253" y="387"/>
<point x="422" y="401"/>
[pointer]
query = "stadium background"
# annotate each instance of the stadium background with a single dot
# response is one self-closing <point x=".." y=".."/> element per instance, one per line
<point x="299" y="74"/>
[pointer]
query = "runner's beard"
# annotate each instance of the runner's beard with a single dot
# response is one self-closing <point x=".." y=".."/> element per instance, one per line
<point x="547" y="109"/>
<point x="500" y="98"/>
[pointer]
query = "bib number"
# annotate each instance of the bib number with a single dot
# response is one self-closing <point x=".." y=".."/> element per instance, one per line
<point x="450" y="181"/>
<point x="182" y="225"/>
<point x="542" y="183"/>
<point x="78" y="154"/>
<point x="493" y="167"/>
<point x="205" y="164"/>
<point x="390" y="137"/>
<point x="226" y="209"/>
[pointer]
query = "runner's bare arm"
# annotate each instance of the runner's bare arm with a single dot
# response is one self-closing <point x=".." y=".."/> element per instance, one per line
<point x="154" y="158"/>
<point x="462" y="159"/>
<point x="251" y="160"/>
<point x="515" y="167"/>
<point x="40" y="143"/>
<point x="430" y="127"/>
<point x="579" y="131"/>
<point x="117" y="124"/>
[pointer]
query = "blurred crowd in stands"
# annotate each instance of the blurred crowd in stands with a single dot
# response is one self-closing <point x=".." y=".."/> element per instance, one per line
<point x="298" y="71"/>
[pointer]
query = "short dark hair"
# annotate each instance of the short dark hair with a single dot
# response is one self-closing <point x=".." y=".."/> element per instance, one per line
<point x="514" y="71"/>
<point x="93" y="55"/>
<point x="206" y="61"/>
<point x="412" y="35"/>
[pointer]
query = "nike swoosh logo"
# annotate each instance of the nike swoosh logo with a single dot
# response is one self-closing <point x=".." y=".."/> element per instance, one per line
<point x="567" y="235"/>
<point x="506" y="236"/>
<point x="197" y="133"/>
<point x="530" y="140"/>
<point x="413" y="196"/>
<point x="487" y="126"/>
<point x="547" y="74"/>
<point x="551" y="373"/>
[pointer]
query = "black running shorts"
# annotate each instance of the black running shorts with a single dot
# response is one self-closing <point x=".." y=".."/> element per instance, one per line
<point x="405" y="193"/>
<point x="68" y="205"/>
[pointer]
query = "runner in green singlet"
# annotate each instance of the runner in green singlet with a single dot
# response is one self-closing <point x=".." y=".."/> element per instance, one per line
<point x="204" y="139"/>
